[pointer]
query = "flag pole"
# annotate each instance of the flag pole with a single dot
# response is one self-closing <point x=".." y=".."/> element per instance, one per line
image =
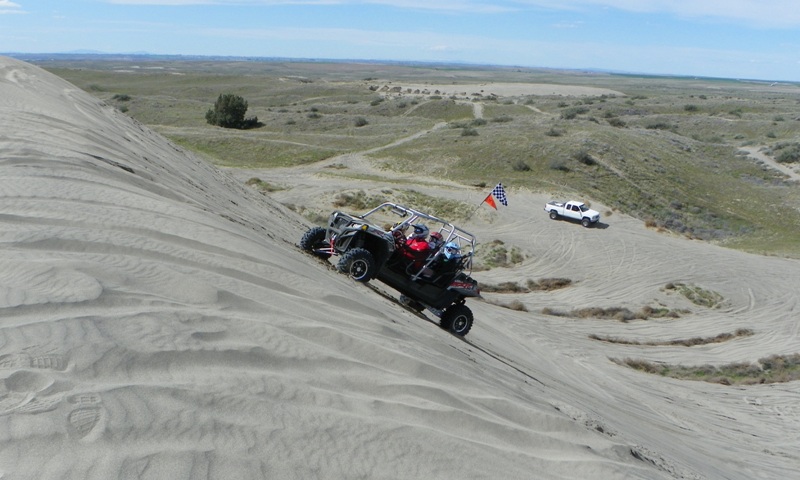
<point x="499" y="192"/>
<point x="478" y="207"/>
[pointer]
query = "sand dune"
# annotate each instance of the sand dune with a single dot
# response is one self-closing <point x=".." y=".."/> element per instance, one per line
<point x="157" y="320"/>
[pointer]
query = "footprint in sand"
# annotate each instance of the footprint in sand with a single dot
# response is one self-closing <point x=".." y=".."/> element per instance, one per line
<point x="26" y="392"/>
<point x="86" y="416"/>
<point x="31" y="390"/>
<point x="24" y="360"/>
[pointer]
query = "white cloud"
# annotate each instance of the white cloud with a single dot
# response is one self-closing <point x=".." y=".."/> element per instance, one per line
<point x="7" y="6"/>
<point x="765" y="14"/>
<point x="443" y="49"/>
<point x="467" y="6"/>
<point x="774" y="13"/>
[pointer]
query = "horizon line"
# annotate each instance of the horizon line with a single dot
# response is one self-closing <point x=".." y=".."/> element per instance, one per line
<point x="80" y="53"/>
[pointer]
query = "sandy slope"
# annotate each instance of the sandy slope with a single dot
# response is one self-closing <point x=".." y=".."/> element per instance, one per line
<point x="158" y="321"/>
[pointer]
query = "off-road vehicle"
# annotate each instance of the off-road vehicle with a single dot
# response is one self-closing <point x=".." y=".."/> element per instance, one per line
<point x="371" y="246"/>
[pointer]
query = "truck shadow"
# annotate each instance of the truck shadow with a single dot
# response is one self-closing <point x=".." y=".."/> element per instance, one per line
<point x="599" y="225"/>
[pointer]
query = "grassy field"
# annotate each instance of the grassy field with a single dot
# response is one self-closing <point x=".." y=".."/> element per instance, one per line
<point x="666" y="151"/>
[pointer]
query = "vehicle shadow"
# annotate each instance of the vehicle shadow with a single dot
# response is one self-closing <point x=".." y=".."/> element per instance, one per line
<point x="396" y="301"/>
<point x="598" y="225"/>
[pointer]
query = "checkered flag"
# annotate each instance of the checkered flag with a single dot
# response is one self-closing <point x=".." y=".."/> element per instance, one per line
<point x="500" y="194"/>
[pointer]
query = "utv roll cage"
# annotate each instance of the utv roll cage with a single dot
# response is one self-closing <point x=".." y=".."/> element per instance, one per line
<point x="450" y="232"/>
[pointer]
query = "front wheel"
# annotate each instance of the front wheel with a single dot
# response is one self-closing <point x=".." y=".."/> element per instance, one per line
<point x="585" y="222"/>
<point x="457" y="319"/>
<point x="314" y="241"/>
<point x="553" y="215"/>
<point x="358" y="263"/>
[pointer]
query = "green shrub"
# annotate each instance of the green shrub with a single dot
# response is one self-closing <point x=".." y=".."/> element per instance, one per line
<point x="616" y="122"/>
<point x="571" y="113"/>
<point x="585" y="157"/>
<point x="788" y="153"/>
<point x="502" y="119"/>
<point x="659" y="126"/>
<point x="228" y="112"/>
<point x="559" y="164"/>
<point x="520" y="166"/>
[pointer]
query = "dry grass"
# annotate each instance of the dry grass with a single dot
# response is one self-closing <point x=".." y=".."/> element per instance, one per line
<point x="620" y="314"/>
<point x="505" y="287"/>
<point x="697" y="295"/>
<point x="772" y="369"/>
<point x="262" y="186"/>
<point x="543" y="284"/>
<point x="496" y="254"/>
<point x="548" y="284"/>
<point x="515" y="305"/>
<point x="689" y="342"/>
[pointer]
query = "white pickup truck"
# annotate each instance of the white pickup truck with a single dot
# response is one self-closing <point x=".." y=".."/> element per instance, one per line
<point x="574" y="210"/>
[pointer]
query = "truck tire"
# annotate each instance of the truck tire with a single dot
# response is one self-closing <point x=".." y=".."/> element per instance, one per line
<point x="553" y="215"/>
<point x="314" y="240"/>
<point x="457" y="319"/>
<point x="586" y="222"/>
<point x="359" y="264"/>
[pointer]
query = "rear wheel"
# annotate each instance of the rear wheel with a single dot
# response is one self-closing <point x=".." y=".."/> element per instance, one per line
<point x="457" y="319"/>
<point x="358" y="263"/>
<point x="553" y="214"/>
<point x="585" y="222"/>
<point x="313" y="241"/>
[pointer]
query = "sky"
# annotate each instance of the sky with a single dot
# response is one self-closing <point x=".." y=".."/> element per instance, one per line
<point x="742" y="39"/>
